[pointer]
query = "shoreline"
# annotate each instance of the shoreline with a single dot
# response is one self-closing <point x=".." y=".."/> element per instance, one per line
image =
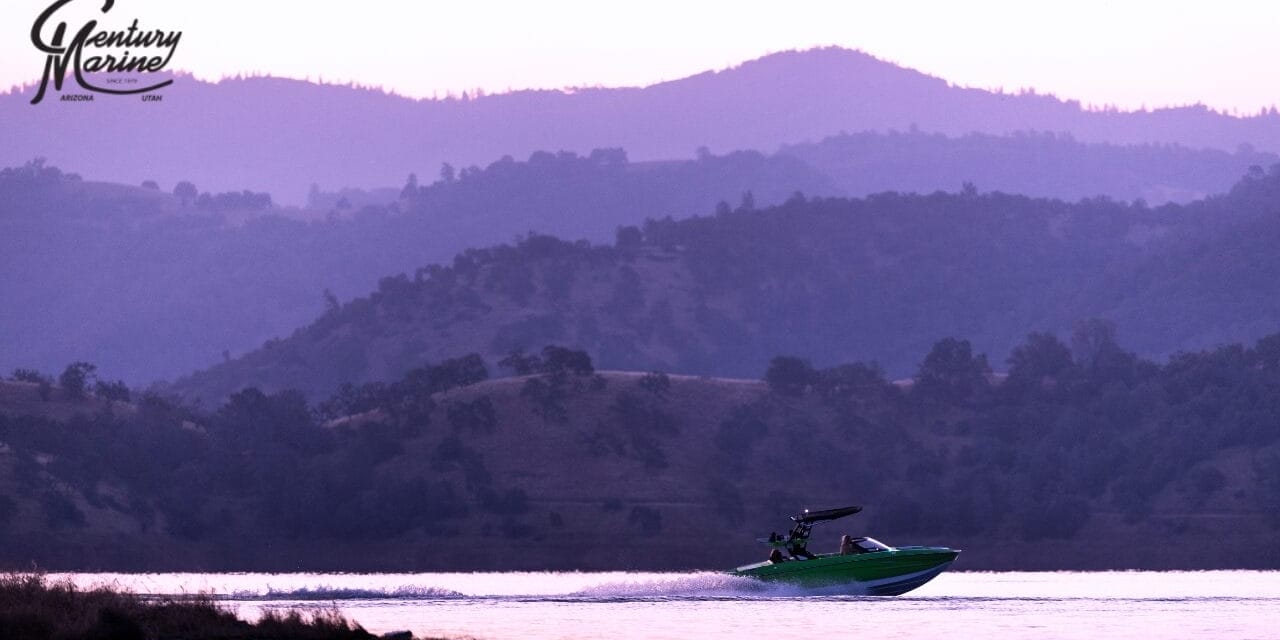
<point x="34" y="606"/>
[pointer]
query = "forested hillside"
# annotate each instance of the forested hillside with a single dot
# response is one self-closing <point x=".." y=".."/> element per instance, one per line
<point x="1082" y="456"/>
<point x="180" y="279"/>
<point x="155" y="285"/>
<point x="833" y="280"/>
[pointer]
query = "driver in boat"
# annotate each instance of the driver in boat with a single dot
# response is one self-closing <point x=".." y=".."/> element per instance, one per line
<point x="846" y="545"/>
<point x="795" y="547"/>
<point x="797" y="550"/>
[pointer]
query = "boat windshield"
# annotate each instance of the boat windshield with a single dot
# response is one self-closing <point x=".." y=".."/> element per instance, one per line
<point x="869" y="545"/>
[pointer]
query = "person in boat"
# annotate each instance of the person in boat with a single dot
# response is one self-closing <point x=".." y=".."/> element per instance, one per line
<point x="797" y="541"/>
<point x="798" y="550"/>
<point x="846" y="545"/>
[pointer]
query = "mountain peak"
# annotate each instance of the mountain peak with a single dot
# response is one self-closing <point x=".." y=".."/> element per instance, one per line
<point x="281" y="136"/>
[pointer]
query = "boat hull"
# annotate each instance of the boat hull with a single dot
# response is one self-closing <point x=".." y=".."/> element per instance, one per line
<point x="882" y="573"/>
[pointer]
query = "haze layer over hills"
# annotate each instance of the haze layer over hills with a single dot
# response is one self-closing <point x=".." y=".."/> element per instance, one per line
<point x="280" y="136"/>
<point x="832" y="280"/>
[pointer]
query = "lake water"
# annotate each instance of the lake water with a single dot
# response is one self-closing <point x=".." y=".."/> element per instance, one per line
<point x="991" y="606"/>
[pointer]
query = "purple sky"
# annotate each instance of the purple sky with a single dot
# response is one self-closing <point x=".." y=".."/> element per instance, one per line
<point x="1129" y="54"/>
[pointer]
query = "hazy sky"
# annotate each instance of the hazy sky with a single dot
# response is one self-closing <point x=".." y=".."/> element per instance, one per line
<point x="1129" y="54"/>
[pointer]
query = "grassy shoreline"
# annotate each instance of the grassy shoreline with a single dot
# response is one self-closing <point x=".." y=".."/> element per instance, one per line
<point x="33" y="607"/>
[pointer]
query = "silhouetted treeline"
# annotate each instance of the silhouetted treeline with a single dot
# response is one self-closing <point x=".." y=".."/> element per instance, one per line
<point x="1074" y="433"/>
<point x="231" y="200"/>
<point x="1069" y="430"/>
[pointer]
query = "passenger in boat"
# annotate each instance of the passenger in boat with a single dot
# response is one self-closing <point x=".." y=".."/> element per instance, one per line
<point x="775" y="556"/>
<point x="798" y="550"/>
<point x="846" y="545"/>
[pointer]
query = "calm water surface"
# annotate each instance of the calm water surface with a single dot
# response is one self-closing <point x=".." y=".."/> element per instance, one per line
<point x="990" y="606"/>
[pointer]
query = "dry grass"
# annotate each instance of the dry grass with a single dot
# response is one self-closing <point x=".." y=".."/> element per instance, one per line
<point x="34" y="608"/>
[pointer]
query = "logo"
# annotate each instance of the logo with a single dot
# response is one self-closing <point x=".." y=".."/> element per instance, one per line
<point x="117" y="56"/>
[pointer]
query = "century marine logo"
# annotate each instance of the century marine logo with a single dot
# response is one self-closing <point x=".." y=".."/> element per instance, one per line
<point x="114" y="57"/>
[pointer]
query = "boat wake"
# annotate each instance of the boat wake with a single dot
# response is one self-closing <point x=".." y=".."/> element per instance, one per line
<point x="696" y="586"/>
<point x="708" y="586"/>
<point x="322" y="593"/>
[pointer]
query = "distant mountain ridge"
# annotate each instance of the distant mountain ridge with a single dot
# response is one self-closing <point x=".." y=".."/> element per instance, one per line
<point x="1029" y="163"/>
<point x="281" y="136"/>
<point x="150" y="288"/>
<point x="830" y="279"/>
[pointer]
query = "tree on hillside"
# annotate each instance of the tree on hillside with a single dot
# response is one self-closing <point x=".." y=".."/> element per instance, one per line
<point x="548" y="391"/>
<point x="1041" y="357"/>
<point x="282" y="418"/>
<point x="410" y="186"/>
<point x="790" y="376"/>
<point x="615" y="156"/>
<point x="628" y="238"/>
<point x="1092" y="341"/>
<point x="454" y="372"/>
<point x="1095" y="350"/>
<point x="117" y="390"/>
<point x="951" y="372"/>
<point x="557" y="360"/>
<point x="1267" y="352"/>
<point x="521" y="363"/>
<point x="351" y="399"/>
<point x="28" y="375"/>
<point x="44" y="383"/>
<point x="75" y="379"/>
<point x="477" y="415"/>
<point x="185" y="192"/>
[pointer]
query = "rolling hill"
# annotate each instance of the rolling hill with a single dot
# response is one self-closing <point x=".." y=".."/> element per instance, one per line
<point x="280" y="136"/>
<point x="149" y="285"/>
<point x="833" y="280"/>
<point x="565" y="467"/>
<point x="133" y="280"/>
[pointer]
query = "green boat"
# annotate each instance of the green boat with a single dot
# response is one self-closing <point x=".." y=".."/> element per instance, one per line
<point x="865" y="565"/>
